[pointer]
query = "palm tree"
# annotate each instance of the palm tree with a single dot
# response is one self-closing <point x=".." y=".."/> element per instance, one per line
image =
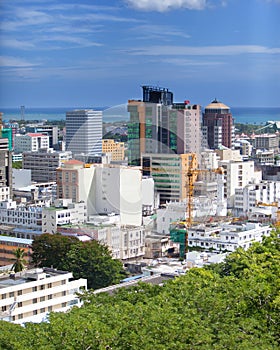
<point x="20" y="262"/>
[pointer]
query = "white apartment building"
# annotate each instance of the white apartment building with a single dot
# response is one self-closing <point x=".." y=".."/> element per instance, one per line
<point x="84" y="132"/>
<point x="125" y="242"/>
<point x="43" y="163"/>
<point x="265" y="157"/>
<point x="247" y="198"/>
<point x="30" y="142"/>
<point x="63" y="212"/>
<point x="237" y="175"/>
<point x="226" y="237"/>
<point x="31" y="295"/>
<point x="104" y="188"/>
<point x="21" y="216"/>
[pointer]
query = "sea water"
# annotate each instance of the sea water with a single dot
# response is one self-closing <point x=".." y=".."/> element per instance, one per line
<point x="244" y="115"/>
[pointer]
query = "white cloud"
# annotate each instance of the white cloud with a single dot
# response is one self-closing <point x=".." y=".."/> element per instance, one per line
<point x="8" y="61"/>
<point x="165" y="5"/>
<point x="204" y="50"/>
<point x="155" y="31"/>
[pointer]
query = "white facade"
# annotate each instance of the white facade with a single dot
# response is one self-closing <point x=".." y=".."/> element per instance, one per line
<point x="30" y="142"/>
<point x="104" y="188"/>
<point x="227" y="237"/>
<point x="237" y="175"/>
<point x="63" y="212"/>
<point x="84" y="132"/>
<point x="174" y="211"/>
<point x="124" y="242"/>
<point x="247" y="198"/>
<point x="148" y="195"/>
<point x="4" y="193"/>
<point x="119" y="190"/>
<point x="30" y="296"/>
<point x="22" y="216"/>
<point x="21" y="178"/>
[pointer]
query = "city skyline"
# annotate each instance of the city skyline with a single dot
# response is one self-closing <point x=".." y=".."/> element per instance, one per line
<point x="101" y="53"/>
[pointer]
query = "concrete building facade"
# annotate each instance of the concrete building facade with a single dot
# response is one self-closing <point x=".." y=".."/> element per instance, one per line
<point x="116" y="149"/>
<point x="30" y="142"/>
<point x="238" y="175"/>
<point x="43" y="163"/>
<point x="30" y="296"/>
<point x="84" y="132"/>
<point x="63" y="212"/>
<point x="227" y="237"/>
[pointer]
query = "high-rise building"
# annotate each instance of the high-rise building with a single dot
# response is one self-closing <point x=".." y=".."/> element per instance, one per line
<point x="157" y="125"/>
<point x="218" y="129"/>
<point x="84" y="132"/>
<point x="169" y="172"/>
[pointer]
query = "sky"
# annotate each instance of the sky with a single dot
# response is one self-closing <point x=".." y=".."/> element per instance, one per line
<point x="99" y="53"/>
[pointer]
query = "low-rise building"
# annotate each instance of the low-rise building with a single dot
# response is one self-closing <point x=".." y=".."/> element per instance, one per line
<point x="226" y="237"/>
<point x="43" y="163"/>
<point x="63" y="212"/>
<point x="31" y="295"/>
<point x="125" y="242"/>
<point x="8" y="245"/>
<point x="23" y="216"/>
<point x="30" y="142"/>
<point x="247" y="198"/>
<point x="115" y="148"/>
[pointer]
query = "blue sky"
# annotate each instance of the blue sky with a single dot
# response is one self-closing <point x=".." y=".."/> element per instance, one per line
<point x="98" y="53"/>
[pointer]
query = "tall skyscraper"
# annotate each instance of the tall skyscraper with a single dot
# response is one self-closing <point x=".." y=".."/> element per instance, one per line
<point x="218" y="126"/>
<point x="84" y="132"/>
<point x="157" y="125"/>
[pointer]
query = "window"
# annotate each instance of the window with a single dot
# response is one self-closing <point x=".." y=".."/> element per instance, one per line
<point x="20" y="316"/>
<point x="34" y="301"/>
<point x="64" y="293"/>
<point x="19" y="292"/>
<point x="42" y="287"/>
<point x="42" y="310"/>
<point x="20" y="304"/>
<point x="4" y="296"/>
<point x="63" y="282"/>
<point x="35" y="312"/>
<point x="49" y="296"/>
<point x="42" y="298"/>
<point x="63" y="305"/>
<point x="49" y="285"/>
<point x="11" y="294"/>
<point x="49" y="308"/>
<point x="34" y="289"/>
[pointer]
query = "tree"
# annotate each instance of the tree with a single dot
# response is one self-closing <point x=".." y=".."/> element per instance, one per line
<point x="89" y="260"/>
<point x="20" y="262"/>
<point x="93" y="261"/>
<point x="51" y="250"/>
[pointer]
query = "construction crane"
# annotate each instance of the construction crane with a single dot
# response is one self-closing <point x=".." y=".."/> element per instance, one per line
<point x="192" y="174"/>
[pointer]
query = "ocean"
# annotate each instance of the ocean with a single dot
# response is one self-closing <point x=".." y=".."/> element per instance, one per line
<point x="244" y="115"/>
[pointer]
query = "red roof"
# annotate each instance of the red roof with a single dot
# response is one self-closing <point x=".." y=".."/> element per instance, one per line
<point x="35" y="134"/>
<point x="74" y="161"/>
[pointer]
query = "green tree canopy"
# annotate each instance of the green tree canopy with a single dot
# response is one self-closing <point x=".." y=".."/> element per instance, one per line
<point x="93" y="261"/>
<point x="51" y="250"/>
<point x="90" y="260"/>
<point x="233" y="308"/>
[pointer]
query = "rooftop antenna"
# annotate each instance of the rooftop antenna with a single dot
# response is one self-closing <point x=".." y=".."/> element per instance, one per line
<point x="22" y="112"/>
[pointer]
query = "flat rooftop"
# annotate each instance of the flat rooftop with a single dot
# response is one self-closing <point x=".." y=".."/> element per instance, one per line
<point x="27" y="276"/>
